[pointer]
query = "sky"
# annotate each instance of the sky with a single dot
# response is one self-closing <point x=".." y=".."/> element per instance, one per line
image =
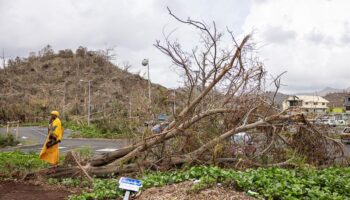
<point x="310" y="39"/>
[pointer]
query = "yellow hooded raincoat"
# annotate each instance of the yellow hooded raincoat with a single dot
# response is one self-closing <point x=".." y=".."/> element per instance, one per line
<point x="51" y="155"/>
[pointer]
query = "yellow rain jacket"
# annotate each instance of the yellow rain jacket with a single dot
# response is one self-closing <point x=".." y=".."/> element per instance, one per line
<point x="51" y="155"/>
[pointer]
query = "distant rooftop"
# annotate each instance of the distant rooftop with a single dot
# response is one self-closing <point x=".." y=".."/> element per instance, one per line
<point x="308" y="98"/>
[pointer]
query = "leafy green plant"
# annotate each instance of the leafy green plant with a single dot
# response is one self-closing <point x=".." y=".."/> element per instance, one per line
<point x="17" y="162"/>
<point x="267" y="183"/>
<point x="102" y="189"/>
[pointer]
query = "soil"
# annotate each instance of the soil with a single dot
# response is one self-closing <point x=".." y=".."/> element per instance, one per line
<point x="17" y="190"/>
<point x="181" y="192"/>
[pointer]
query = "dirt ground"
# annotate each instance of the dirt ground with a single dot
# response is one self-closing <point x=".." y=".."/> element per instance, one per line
<point x="180" y="192"/>
<point x="11" y="190"/>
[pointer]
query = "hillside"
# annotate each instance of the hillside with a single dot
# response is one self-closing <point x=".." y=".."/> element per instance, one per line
<point x="278" y="99"/>
<point x="336" y="99"/>
<point x="31" y="87"/>
<point x="327" y="90"/>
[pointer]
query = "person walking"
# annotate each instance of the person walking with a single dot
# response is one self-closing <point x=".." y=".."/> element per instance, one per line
<point x="50" y="152"/>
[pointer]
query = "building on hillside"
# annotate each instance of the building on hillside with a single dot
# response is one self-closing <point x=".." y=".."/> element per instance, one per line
<point x="347" y="103"/>
<point x="336" y="99"/>
<point x="313" y="104"/>
<point x="339" y="102"/>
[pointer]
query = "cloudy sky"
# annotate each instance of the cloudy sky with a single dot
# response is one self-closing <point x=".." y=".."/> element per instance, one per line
<point x="310" y="39"/>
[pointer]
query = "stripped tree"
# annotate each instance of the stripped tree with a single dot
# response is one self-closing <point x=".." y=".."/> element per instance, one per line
<point x="224" y="94"/>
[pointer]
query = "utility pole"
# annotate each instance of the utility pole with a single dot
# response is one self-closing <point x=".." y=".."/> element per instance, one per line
<point x="130" y="108"/>
<point x="89" y="101"/>
<point x="64" y="98"/>
<point x="3" y="59"/>
<point x="145" y="62"/>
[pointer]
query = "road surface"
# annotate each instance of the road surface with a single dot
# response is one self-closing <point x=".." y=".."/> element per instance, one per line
<point x="37" y="135"/>
<point x="33" y="139"/>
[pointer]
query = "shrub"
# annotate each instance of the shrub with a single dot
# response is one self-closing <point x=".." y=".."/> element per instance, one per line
<point x="7" y="140"/>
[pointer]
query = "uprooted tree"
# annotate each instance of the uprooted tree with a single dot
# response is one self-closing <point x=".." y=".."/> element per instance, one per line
<point x="224" y="94"/>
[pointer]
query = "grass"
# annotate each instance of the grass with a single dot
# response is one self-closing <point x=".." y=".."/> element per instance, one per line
<point x="14" y="163"/>
<point x="92" y="131"/>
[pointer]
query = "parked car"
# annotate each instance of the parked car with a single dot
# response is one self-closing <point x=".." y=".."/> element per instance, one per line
<point x="158" y="128"/>
<point x="242" y="143"/>
<point x="345" y="135"/>
<point x="330" y="122"/>
<point x="341" y="122"/>
<point x="242" y="138"/>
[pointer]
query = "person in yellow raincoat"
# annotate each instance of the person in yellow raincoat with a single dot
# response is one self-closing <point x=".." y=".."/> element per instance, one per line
<point x="50" y="152"/>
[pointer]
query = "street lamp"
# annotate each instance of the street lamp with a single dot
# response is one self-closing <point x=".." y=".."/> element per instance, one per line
<point x="64" y="98"/>
<point x="145" y="62"/>
<point x="64" y="101"/>
<point x="89" y="107"/>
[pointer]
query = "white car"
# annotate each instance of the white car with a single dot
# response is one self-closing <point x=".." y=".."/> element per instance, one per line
<point x="242" y="138"/>
<point x="330" y="122"/>
<point x="341" y="122"/>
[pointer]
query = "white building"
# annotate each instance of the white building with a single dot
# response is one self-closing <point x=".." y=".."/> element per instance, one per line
<point x="314" y="104"/>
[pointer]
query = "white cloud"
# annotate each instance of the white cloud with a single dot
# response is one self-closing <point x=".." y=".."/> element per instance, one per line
<point x="308" y="38"/>
<point x="278" y="35"/>
<point x="316" y="54"/>
<point x="130" y="25"/>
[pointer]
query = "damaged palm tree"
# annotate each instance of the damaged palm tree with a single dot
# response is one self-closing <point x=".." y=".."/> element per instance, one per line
<point x="224" y="95"/>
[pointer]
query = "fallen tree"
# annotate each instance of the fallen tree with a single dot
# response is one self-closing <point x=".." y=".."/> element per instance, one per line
<point x="224" y="95"/>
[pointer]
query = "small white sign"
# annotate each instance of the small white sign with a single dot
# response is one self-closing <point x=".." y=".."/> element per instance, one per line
<point x="130" y="184"/>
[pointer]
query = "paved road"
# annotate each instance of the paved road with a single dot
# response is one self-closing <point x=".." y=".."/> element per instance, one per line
<point x="37" y="135"/>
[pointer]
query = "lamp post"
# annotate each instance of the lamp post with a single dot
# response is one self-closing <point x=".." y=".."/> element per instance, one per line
<point x="145" y="62"/>
<point x="89" y="103"/>
<point x="64" y="98"/>
<point x="64" y="101"/>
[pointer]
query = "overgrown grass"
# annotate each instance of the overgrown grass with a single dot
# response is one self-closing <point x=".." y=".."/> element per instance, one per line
<point x="14" y="163"/>
<point x="267" y="183"/>
<point x="92" y="131"/>
<point x="7" y="140"/>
